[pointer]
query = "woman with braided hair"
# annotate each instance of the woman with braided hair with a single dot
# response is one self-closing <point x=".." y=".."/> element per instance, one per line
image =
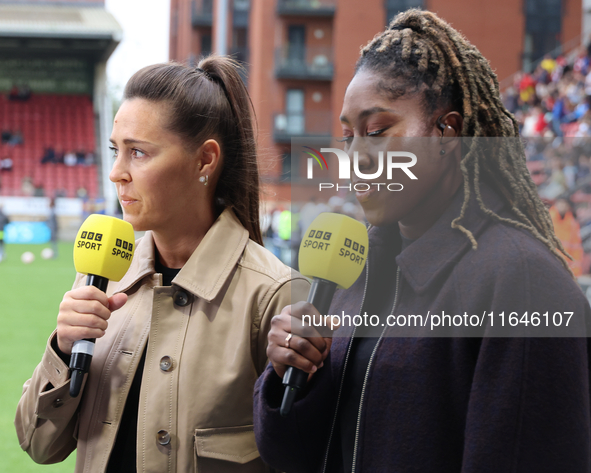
<point x="468" y="236"/>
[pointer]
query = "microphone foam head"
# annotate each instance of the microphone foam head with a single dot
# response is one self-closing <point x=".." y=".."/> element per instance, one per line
<point x="104" y="247"/>
<point x="334" y="248"/>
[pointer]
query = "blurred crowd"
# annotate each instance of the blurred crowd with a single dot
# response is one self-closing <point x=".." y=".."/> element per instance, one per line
<point x="553" y="108"/>
<point x="69" y="158"/>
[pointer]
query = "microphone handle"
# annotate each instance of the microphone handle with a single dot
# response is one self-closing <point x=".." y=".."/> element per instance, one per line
<point x="82" y="350"/>
<point x="294" y="379"/>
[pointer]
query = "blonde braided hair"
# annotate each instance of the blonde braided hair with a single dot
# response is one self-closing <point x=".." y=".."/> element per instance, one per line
<point x="424" y="54"/>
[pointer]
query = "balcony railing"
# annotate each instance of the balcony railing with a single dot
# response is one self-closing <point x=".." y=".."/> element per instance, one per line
<point x="293" y="125"/>
<point x="306" y="7"/>
<point x="298" y="62"/>
<point x="202" y="12"/>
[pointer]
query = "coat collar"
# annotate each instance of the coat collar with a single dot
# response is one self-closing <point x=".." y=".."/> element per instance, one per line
<point x="209" y="266"/>
<point x="430" y="258"/>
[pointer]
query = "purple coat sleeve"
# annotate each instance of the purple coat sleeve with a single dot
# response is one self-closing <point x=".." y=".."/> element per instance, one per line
<point x="298" y="442"/>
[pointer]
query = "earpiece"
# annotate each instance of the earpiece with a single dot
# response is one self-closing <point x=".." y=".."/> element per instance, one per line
<point x="446" y="130"/>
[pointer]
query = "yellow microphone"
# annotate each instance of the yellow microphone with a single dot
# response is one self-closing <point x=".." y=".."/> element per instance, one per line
<point x="103" y="250"/>
<point x="333" y="253"/>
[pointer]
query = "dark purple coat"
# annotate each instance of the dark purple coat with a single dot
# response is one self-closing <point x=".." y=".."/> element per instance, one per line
<point x="453" y="404"/>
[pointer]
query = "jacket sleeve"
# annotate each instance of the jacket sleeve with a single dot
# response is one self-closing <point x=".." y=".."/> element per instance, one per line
<point x="296" y="443"/>
<point x="529" y="406"/>
<point x="46" y="415"/>
<point x="279" y="296"/>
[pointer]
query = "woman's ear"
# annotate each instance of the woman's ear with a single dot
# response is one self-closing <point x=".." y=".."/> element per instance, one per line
<point x="450" y="129"/>
<point x="450" y="125"/>
<point x="210" y="157"/>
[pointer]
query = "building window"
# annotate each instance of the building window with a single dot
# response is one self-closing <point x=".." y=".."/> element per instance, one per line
<point x="394" y="7"/>
<point x="543" y="25"/>
<point x="205" y="44"/>
<point x="296" y="43"/>
<point x="294" y="111"/>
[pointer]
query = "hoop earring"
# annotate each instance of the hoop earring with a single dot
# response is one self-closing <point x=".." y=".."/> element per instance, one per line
<point x="204" y="179"/>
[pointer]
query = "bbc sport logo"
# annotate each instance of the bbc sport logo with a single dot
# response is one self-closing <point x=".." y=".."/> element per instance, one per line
<point x="91" y="236"/>
<point x="320" y="234"/>
<point x="355" y="246"/>
<point x="123" y="244"/>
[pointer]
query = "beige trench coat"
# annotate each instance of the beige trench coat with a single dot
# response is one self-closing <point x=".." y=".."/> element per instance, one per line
<point x="212" y="323"/>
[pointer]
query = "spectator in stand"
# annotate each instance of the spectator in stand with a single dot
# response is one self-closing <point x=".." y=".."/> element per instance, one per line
<point x="581" y="63"/>
<point x="27" y="188"/>
<point x="535" y="124"/>
<point x="511" y="100"/>
<point x="48" y="156"/>
<point x="548" y="64"/>
<point x="570" y="173"/>
<point x="568" y="231"/>
<point x="16" y="139"/>
<point x="527" y="88"/>
<point x="3" y="222"/>
<point x="556" y="184"/>
<point x="52" y="224"/>
<point x="580" y="110"/>
<point x="82" y="193"/>
<point x="80" y="156"/>
<point x="6" y="164"/>
<point x="5" y="136"/>
<point x="89" y="159"/>
<point x="558" y="112"/>
<point x="70" y="159"/>
<point x="583" y="169"/>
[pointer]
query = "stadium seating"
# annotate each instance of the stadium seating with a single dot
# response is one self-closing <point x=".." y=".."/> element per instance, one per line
<point x="64" y="122"/>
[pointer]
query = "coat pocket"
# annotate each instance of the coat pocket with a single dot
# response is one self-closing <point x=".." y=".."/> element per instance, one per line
<point x="227" y="449"/>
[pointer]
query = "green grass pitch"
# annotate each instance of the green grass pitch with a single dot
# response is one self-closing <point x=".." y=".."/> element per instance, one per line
<point x="30" y="295"/>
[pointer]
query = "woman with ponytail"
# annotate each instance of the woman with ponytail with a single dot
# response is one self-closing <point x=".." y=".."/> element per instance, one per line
<point x="181" y="339"/>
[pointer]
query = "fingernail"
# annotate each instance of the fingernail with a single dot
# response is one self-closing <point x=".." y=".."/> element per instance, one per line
<point x="321" y="365"/>
<point x="314" y="368"/>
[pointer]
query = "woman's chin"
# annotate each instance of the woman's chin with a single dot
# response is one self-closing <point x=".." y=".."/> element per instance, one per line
<point x="135" y="222"/>
<point x="379" y="214"/>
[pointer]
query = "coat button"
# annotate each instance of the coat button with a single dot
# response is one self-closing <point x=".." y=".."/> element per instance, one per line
<point x="166" y="363"/>
<point x="163" y="437"/>
<point x="58" y="403"/>
<point x="181" y="298"/>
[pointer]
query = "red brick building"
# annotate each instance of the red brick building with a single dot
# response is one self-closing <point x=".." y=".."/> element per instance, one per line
<point x="301" y="53"/>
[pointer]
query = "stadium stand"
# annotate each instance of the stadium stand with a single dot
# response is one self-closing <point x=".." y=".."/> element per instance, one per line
<point x="552" y="106"/>
<point x="53" y="95"/>
<point x="64" y="123"/>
